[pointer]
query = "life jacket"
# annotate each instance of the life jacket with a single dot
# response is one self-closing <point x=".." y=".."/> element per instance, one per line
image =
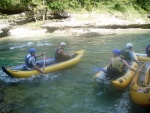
<point x="29" y="64"/>
<point x="117" y="64"/>
<point x="58" y="57"/>
<point x="125" y="54"/>
<point x="148" y="52"/>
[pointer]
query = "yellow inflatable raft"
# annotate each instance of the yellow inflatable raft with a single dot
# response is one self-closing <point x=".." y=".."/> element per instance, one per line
<point x="102" y="81"/>
<point x="142" y="57"/>
<point x="118" y="84"/>
<point x="50" y="66"/>
<point x="140" y="87"/>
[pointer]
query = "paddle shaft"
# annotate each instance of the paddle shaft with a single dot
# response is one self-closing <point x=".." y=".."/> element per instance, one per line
<point x="140" y="69"/>
<point x="100" y="69"/>
<point x="44" y="62"/>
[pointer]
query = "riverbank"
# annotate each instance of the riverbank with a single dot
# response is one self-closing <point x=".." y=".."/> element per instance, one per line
<point x="84" y="25"/>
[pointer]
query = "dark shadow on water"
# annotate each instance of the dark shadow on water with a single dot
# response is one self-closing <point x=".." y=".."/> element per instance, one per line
<point x="134" y="108"/>
<point x="105" y="93"/>
<point x="121" y="101"/>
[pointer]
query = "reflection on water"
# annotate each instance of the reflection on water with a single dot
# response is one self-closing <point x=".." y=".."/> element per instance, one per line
<point x="71" y="90"/>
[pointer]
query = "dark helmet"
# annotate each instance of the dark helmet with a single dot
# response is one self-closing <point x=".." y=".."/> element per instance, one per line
<point x="32" y="50"/>
<point x="116" y="51"/>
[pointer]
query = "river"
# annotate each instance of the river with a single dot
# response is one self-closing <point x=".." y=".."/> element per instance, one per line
<point x="71" y="90"/>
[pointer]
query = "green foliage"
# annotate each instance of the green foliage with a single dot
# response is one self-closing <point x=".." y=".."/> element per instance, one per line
<point x="10" y="4"/>
<point x="76" y="5"/>
<point x="146" y="5"/>
<point x="57" y="5"/>
<point x="5" y="4"/>
<point x="119" y="7"/>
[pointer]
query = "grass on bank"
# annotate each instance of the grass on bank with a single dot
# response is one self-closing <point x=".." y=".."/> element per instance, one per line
<point x="33" y="25"/>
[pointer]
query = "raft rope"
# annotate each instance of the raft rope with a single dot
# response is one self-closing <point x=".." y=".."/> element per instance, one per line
<point x="133" y="83"/>
<point x="147" y="90"/>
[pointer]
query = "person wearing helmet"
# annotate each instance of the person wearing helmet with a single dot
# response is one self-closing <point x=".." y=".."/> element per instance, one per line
<point x="116" y="65"/>
<point x="127" y="53"/>
<point x="148" y="50"/>
<point x="59" y="53"/>
<point x="30" y="60"/>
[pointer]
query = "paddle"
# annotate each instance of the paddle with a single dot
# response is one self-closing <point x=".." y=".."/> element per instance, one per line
<point x="142" y="66"/>
<point x="100" y="69"/>
<point x="136" y="73"/>
<point x="44" y="62"/>
<point x="104" y="69"/>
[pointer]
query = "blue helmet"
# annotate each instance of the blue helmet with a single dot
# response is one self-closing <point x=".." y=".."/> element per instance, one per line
<point x="116" y="51"/>
<point x="32" y="50"/>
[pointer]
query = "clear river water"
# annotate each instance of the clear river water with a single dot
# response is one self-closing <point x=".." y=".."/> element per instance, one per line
<point x="71" y="90"/>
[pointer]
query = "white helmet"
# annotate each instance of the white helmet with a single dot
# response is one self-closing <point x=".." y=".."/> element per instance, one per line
<point x="62" y="43"/>
<point x="129" y="45"/>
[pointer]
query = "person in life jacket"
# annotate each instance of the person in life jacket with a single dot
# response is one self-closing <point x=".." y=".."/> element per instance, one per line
<point x="148" y="50"/>
<point x="127" y="54"/>
<point x="59" y="53"/>
<point x="116" y="65"/>
<point x="30" y="60"/>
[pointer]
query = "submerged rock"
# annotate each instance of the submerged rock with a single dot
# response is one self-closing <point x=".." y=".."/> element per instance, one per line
<point x="4" y="28"/>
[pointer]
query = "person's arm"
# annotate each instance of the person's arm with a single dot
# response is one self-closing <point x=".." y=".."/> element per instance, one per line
<point x="110" y="63"/>
<point x="38" y="69"/>
<point x="129" y="66"/>
<point x="133" y="57"/>
<point x="35" y="66"/>
<point x="61" y="51"/>
<point x="41" y="54"/>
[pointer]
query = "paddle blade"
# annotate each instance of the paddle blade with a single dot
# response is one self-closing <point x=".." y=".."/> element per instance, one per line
<point x="99" y="69"/>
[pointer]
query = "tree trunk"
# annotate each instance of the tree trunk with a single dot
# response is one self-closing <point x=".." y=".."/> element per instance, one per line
<point x="43" y="11"/>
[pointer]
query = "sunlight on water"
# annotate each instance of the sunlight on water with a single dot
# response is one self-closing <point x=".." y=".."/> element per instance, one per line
<point x="28" y="44"/>
<point x="7" y="79"/>
<point x="101" y="92"/>
<point x="17" y="45"/>
<point x="43" y="44"/>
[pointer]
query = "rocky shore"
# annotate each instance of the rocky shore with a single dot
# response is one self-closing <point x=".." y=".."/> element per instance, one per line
<point x="84" y="25"/>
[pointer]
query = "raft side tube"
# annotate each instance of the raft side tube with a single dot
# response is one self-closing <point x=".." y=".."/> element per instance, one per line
<point x="4" y="70"/>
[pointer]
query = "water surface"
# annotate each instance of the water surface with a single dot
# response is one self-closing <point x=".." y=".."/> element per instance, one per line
<point x="71" y="90"/>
